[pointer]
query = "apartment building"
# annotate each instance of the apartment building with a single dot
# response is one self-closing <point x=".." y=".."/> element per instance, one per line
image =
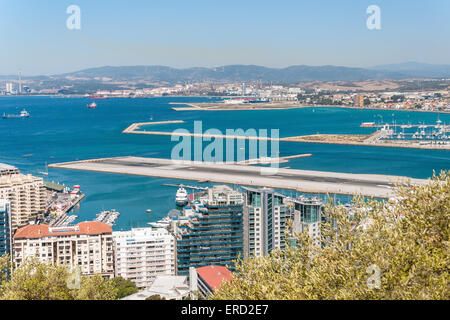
<point x="265" y="217"/>
<point x="25" y="193"/>
<point x="213" y="232"/>
<point x="5" y="230"/>
<point x="87" y="245"/>
<point x="307" y="217"/>
<point x="7" y="170"/>
<point x="142" y="254"/>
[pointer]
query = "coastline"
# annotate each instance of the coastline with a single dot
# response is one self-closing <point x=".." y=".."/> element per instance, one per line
<point x="278" y="106"/>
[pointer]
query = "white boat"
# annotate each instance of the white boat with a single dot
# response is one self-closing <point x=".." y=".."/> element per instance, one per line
<point x="163" y="223"/>
<point x="181" y="197"/>
<point x="24" y="114"/>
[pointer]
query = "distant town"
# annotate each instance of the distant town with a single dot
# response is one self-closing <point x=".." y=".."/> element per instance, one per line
<point x="409" y="94"/>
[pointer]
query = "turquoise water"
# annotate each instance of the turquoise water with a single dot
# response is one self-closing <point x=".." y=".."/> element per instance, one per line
<point x="63" y="129"/>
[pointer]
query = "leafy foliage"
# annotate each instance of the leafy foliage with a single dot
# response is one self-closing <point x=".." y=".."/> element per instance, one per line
<point x="124" y="287"/>
<point x="96" y="288"/>
<point x="407" y="240"/>
<point x="33" y="280"/>
<point x="5" y="267"/>
<point x="155" y="297"/>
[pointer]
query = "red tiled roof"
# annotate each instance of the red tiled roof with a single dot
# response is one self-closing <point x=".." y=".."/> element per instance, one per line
<point x="43" y="230"/>
<point x="214" y="275"/>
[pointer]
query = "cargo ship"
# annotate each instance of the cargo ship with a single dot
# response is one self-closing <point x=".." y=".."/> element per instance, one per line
<point x="23" y="114"/>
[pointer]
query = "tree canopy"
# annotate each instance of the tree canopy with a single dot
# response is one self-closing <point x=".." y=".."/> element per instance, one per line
<point x="395" y="249"/>
<point x="33" y="280"/>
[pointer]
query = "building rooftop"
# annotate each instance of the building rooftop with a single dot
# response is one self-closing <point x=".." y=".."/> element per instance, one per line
<point x="140" y="234"/>
<point x="214" y="276"/>
<point x="6" y="166"/>
<point x="44" y="230"/>
<point x="6" y="169"/>
<point x="54" y="186"/>
<point x="169" y="287"/>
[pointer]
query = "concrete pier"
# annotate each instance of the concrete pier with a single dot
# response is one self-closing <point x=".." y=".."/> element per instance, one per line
<point x="300" y="180"/>
<point x="133" y="128"/>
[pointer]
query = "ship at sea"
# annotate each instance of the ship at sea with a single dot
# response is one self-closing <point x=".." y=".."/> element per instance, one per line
<point x="93" y="105"/>
<point x="23" y="114"/>
<point x="97" y="97"/>
<point x="181" y="198"/>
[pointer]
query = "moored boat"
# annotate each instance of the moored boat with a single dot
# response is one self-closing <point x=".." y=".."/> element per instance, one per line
<point x="181" y="197"/>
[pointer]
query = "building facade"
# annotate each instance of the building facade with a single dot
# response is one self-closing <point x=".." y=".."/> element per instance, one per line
<point x="265" y="217"/>
<point x="307" y="217"/>
<point x="87" y="245"/>
<point x="213" y="234"/>
<point x="143" y="254"/>
<point x="5" y="228"/>
<point x="25" y="193"/>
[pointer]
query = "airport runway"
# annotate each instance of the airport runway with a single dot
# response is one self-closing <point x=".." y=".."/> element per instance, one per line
<point x="380" y="186"/>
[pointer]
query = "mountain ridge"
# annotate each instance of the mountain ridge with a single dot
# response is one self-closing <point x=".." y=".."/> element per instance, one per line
<point x="246" y="73"/>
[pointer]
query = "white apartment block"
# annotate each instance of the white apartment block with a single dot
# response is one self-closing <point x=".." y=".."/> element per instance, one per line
<point x="9" y="87"/>
<point x="25" y="193"/>
<point x="87" y="245"/>
<point x="142" y="254"/>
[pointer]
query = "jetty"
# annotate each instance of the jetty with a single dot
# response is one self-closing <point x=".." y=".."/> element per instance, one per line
<point x="133" y="128"/>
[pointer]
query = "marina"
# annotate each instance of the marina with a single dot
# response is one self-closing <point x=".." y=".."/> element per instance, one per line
<point x="64" y="221"/>
<point x="108" y="217"/>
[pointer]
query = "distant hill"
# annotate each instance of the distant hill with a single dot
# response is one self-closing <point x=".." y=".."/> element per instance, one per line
<point x="246" y="73"/>
<point x="416" y="69"/>
<point x="235" y="73"/>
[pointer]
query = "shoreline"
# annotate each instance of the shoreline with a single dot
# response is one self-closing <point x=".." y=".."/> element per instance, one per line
<point x="206" y="106"/>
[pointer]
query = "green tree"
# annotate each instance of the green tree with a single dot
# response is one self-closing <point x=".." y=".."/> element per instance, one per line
<point x="33" y="280"/>
<point x="386" y="250"/>
<point x="5" y="269"/>
<point x="155" y="297"/>
<point x="124" y="287"/>
<point x="37" y="281"/>
<point x="96" y="288"/>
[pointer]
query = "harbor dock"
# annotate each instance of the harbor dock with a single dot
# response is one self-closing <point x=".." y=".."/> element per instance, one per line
<point x="380" y="186"/>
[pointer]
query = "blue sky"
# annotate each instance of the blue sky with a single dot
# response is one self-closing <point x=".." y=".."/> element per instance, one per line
<point x="34" y="37"/>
